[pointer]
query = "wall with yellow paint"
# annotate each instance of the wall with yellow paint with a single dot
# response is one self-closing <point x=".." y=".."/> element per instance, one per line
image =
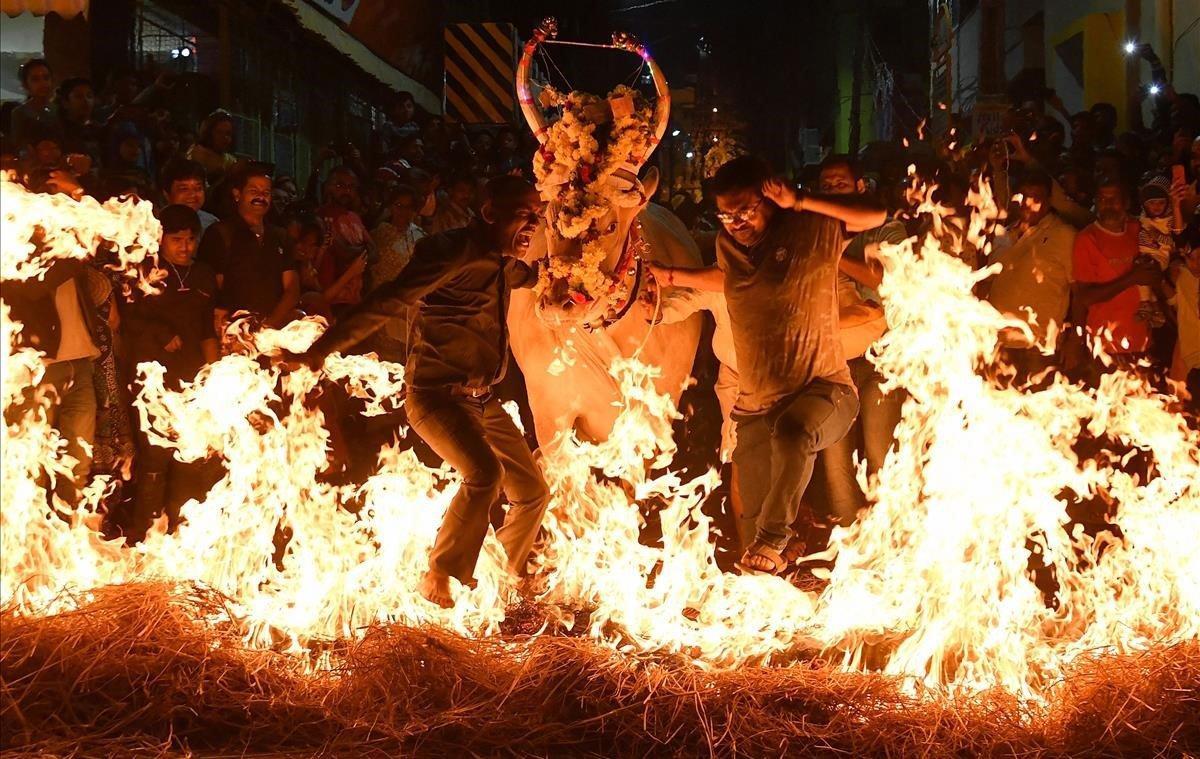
<point x="1166" y="24"/>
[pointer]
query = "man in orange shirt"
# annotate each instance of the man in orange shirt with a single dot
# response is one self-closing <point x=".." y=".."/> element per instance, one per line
<point x="1104" y="295"/>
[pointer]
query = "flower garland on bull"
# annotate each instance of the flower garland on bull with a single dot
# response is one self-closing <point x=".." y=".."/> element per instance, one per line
<point x="593" y="139"/>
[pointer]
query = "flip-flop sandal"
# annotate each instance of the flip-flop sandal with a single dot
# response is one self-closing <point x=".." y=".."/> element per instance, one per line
<point x="762" y="549"/>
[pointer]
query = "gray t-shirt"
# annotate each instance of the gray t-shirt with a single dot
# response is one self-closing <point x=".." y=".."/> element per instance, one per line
<point x="782" y="299"/>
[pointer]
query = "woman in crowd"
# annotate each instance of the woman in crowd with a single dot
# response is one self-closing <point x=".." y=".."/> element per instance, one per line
<point x="214" y="145"/>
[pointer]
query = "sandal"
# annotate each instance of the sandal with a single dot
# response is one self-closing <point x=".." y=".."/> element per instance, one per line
<point x="761" y="549"/>
<point x="796" y="549"/>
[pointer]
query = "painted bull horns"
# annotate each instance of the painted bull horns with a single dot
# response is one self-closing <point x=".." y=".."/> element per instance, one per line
<point x="548" y="29"/>
<point x="662" y="108"/>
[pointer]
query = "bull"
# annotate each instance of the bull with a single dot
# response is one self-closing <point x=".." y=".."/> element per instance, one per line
<point x="565" y="344"/>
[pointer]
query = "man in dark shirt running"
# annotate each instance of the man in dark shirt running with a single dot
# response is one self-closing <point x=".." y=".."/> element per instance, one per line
<point x="255" y="272"/>
<point x="456" y="287"/>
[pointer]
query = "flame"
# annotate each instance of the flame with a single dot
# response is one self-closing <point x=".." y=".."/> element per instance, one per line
<point x="38" y="228"/>
<point x="975" y="494"/>
<point x="932" y="583"/>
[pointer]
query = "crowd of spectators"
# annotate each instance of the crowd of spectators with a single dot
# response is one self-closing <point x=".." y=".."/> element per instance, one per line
<point x="239" y="237"/>
<point x="1102" y="233"/>
<point x="1097" y="245"/>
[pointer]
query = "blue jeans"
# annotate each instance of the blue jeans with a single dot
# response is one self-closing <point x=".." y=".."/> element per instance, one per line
<point x="872" y="434"/>
<point x="477" y="437"/>
<point x="776" y="452"/>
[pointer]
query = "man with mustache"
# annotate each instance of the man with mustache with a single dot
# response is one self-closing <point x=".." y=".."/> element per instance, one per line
<point x="456" y="287"/>
<point x="1104" y="297"/>
<point x="255" y="272"/>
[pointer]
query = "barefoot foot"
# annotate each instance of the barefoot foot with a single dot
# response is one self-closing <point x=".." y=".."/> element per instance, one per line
<point x="435" y="587"/>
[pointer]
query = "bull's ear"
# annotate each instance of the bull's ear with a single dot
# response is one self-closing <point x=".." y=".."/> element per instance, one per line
<point x="650" y="183"/>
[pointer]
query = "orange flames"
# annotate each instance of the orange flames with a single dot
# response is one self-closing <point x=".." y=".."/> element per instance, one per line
<point x="933" y="583"/>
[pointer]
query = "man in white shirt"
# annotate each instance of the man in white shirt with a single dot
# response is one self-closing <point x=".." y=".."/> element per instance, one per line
<point x="56" y="320"/>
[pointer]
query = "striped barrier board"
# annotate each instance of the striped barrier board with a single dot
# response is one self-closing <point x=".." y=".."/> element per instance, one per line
<point x="481" y="63"/>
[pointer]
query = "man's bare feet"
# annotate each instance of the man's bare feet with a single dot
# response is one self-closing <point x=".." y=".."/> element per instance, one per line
<point x="435" y="587"/>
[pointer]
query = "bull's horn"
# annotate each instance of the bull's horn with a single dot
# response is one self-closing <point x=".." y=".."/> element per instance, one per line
<point x="662" y="108"/>
<point x="548" y="29"/>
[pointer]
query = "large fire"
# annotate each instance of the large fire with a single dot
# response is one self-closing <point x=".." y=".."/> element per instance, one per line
<point x="935" y="582"/>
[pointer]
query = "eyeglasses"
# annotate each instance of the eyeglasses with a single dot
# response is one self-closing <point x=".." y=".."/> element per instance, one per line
<point x="743" y="215"/>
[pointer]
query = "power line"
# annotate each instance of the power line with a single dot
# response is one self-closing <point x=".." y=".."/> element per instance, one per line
<point x="650" y="4"/>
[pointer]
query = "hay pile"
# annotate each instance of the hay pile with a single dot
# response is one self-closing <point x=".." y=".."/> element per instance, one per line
<point x="133" y="673"/>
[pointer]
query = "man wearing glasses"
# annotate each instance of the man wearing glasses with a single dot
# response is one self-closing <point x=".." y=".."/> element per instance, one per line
<point x="777" y="263"/>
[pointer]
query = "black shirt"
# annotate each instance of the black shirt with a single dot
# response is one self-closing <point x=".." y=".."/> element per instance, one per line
<point x="459" y="289"/>
<point x="251" y="267"/>
<point x="184" y="309"/>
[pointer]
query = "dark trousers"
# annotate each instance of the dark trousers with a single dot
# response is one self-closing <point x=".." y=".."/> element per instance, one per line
<point x="776" y="452"/>
<point x="477" y="438"/>
<point x="164" y="484"/>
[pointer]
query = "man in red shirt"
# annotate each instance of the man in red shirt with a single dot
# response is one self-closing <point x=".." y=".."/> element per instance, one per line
<point x="1104" y="295"/>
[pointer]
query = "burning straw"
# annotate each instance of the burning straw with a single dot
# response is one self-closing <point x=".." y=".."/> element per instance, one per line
<point x="134" y="671"/>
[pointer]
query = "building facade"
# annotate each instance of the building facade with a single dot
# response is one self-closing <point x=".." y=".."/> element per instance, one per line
<point x="990" y="52"/>
<point x="296" y="74"/>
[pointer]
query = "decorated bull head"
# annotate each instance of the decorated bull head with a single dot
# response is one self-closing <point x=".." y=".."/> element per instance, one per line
<point x="587" y="172"/>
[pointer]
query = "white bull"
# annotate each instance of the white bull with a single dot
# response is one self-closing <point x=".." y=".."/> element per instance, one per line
<point x="579" y="393"/>
<point x="564" y="343"/>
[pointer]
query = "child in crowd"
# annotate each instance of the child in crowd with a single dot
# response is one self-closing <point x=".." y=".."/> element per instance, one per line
<point x="173" y="327"/>
<point x="1160" y="221"/>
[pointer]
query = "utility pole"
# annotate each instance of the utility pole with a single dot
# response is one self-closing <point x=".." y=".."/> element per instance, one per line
<point x="991" y="47"/>
<point x="856" y="82"/>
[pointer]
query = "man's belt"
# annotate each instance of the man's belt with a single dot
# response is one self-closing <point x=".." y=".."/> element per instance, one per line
<point x="469" y="391"/>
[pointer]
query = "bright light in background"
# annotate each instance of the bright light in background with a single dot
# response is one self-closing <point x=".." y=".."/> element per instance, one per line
<point x="1155" y="89"/>
<point x="714" y="109"/>
<point x="675" y="133"/>
<point x="689" y="154"/>
<point x="1130" y="46"/>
